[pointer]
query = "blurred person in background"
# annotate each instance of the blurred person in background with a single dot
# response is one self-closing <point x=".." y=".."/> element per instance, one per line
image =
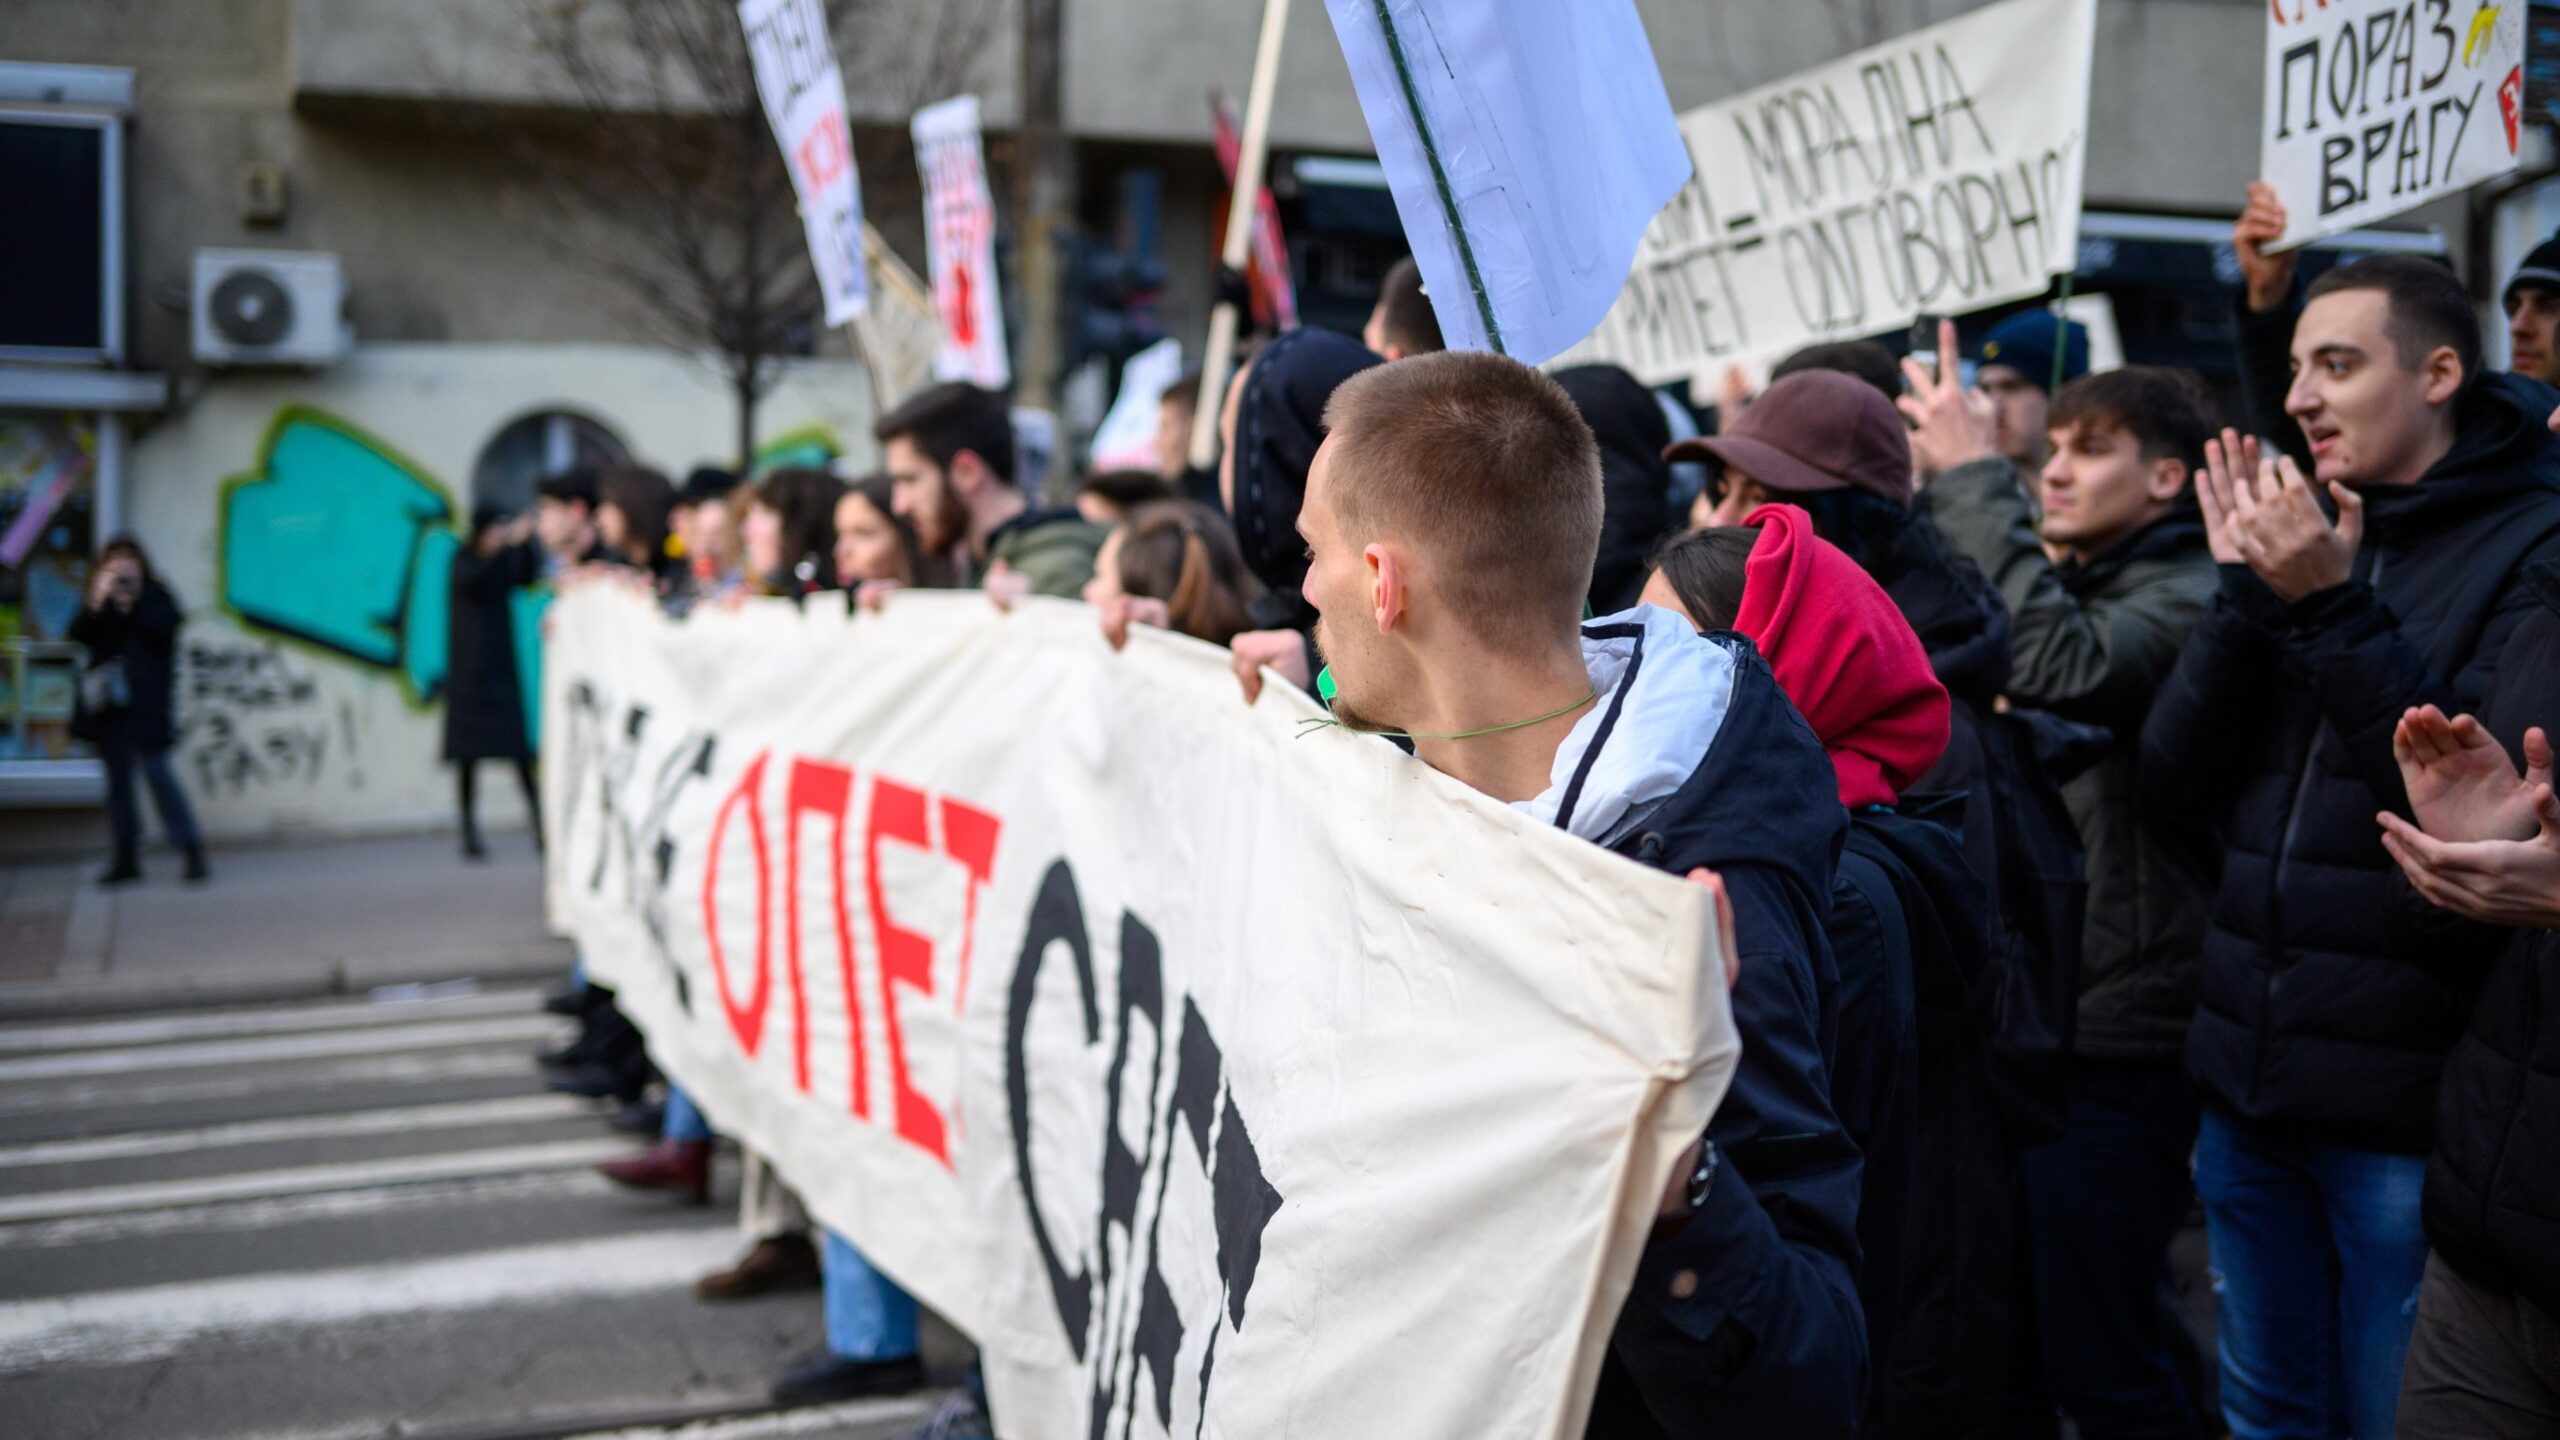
<point x="124" y="703"/>
<point x="788" y="532"/>
<point x="484" y="711"/>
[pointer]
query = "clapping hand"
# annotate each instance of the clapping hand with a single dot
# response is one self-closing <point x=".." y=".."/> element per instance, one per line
<point x="2489" y="848"/>
<point x="2259" y="511"/>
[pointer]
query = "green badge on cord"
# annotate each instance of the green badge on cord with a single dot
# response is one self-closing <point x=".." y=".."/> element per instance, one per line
<point x="1324" y="685"/>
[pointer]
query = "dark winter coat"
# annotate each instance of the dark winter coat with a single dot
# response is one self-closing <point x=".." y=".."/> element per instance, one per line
<point x="2493" y="1184"/>
<point x="2329" y="999"/>
<point x="144" y="641"/>
<point x="1744" y="1321"/>
<point x="483" y="703"/>
<point x="1942" y="1346"/>
<point x="1635" y="484"/>
<point x="2000" y="771"/>
<point x="2094" y="643"/>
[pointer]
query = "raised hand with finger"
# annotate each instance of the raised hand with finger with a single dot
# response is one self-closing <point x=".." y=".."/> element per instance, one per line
<point x="1950" y="425"/>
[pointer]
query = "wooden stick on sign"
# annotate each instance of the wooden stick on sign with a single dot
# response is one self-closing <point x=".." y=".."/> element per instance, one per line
<point x="1240" y="206"/>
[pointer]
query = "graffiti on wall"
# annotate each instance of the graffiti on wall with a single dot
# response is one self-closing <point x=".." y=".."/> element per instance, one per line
<point x="257" y="719"/>
<point x="338" y="541"/>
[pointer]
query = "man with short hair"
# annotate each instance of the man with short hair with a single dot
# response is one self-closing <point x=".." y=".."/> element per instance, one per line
<point x="949" y="452"/>
<point x="564" y="517"/>
<point x="2330" y="996"/>
<point x="1451" y="518"/>
<point x="2265" y="308"/>
<point x="2101" y="597"/>
<point x="1402" y="324"/>
<point x="2015" y="366"/>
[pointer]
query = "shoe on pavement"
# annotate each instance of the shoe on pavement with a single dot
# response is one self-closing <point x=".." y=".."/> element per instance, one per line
<point x="197" y="871"/>
<point x="640" y="1117"/>
<point x="822" y="1376"/>
<point x="777" y="1263"/>
<point x="123" y="872"/>
<point x="681" y="1166"/>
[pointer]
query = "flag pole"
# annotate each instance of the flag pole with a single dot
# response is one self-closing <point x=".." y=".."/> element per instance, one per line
<point x="1440" y="179"/>
<point x="1252" y="155"/>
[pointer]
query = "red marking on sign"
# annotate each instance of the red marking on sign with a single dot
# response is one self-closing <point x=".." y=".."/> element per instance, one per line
<point x="822" y="788"/>
<point x="746" y="1022"/>
<point x="2511" y="105"/>
<point x="906" y="957"/>
<point x="961" y="313"/>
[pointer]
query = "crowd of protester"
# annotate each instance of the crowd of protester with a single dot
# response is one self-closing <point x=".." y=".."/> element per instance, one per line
<point x="2112" y="808"/>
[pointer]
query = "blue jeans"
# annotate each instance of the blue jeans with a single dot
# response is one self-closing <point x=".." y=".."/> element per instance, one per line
<point x="2317" y="1255"/>
<point x="868" y="1318"/>
<point x="124" y="808"/>
<point x="683" y="1121"/>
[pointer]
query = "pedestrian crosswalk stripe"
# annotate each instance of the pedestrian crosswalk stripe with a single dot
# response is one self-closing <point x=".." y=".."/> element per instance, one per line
<point x="275" y="1212"/>
<point x="60" y="1099"/>
<point x="268" y="1049"/>
<point x="162" y="1194"/>
<point x="776" y="1424"/>
<point x="282" y="1020"/>
<point x="511" y="1110"/>
<point x="155" y="1322"/>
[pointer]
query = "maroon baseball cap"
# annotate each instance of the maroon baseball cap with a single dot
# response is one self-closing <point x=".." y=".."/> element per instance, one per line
<point x="1815" y="430"/>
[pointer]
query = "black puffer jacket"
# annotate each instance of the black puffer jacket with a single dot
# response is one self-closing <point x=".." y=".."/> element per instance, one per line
<point x="2329" y="1000"/>
<point x="2493" y="1183"/>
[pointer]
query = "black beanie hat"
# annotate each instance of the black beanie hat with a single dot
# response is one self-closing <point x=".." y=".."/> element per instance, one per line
<point x="2541" y="270"/>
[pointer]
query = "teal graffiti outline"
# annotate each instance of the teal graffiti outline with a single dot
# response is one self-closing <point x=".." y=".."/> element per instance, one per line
<point x="420" y="684"/>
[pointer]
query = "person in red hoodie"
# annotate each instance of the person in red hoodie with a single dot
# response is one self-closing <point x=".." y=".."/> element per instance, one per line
<point x="1907" y="927"/>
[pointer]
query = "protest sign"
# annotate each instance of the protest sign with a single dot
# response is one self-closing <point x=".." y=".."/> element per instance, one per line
<point x="1275" y="294"/>
<point x="1527" y="144"/>
<point x="2376" y="106"/>
<point x="1937" y="173"/>
<point x="960" y="243"/>
<point x="803" y="93"/>
<point x="1212" y="1079"/>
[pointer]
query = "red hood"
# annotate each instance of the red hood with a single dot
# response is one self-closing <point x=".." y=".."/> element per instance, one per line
<point x="1843" y="653"/>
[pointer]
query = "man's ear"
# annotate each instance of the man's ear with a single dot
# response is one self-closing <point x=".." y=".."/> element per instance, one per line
<point x="967" y="474"/>
<point x="2443" y="370"/>
<point x="1387" y="580"/>
<point x="2168" y="480"/>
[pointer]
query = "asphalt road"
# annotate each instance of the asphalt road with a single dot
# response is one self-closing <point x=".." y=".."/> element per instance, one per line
<point x="360" y="1219"/>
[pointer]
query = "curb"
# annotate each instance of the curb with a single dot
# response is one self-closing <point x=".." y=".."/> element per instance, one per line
<point x="338" y="979"/>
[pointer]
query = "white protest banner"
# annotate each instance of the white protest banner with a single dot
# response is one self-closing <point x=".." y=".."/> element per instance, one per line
<point x="1213" y="1080"/>
<point x="960" y="243"/>
<point x="1527" y="143"/>
<point x="1937" y="173"/>
<point x="803" y="92"/>
<point x="2377" y="106"/>
<point x="1126" y="438"/>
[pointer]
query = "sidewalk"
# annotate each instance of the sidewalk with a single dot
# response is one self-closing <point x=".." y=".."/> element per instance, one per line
<point x="278" y="921"/>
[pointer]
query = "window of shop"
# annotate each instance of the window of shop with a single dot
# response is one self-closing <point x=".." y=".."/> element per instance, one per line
<point x="530" y="447"/>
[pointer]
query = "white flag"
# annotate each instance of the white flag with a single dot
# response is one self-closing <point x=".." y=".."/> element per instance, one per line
<point x="803" y="93"/>
<point x="1528" y="143"/>
<point x="960" y="243"/>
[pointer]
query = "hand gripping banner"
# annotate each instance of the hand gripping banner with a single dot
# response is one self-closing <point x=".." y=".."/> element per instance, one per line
<point x="1215" y="1081"/>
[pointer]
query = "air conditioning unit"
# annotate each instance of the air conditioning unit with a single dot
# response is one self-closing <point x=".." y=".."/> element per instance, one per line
<point x="269" y="307"/>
